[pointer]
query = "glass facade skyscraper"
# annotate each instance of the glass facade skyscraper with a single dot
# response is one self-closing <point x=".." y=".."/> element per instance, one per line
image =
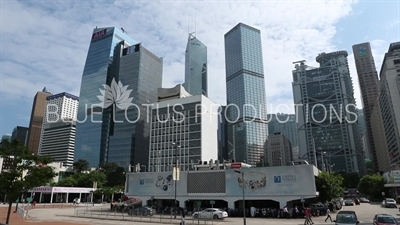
<point x="369" y="86"/>
<point x="247" y="126"/>
<point x="196" y="67"/>
<point x="327" y="115"/>
<point x="101" y="67"/>
<point x="141" y="71"/>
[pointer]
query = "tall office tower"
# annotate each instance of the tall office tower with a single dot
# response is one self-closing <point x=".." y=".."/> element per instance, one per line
<point x="379" y="136"/>
<point x="389" y="101"/>
<point x="196" y="80"/>
<point x="21" y="134"/>
<point x="363" y="133"/>
<point x="223" y="145"/>
<point x="35" y="124"/>
<point x="190" y="122"/>
<point x="286" y="126"/>
<point x="245" y="88"/>
<point x="368" y="80"/>
<point x="139" y="71"/>
<point x="58" y="130"/>
<point x="278" y="150"/>
<point x="102" y="66"/>
<point x="327" y="120"/>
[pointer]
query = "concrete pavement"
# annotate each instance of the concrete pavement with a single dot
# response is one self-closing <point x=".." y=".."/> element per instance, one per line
<point x="365" y="213"/>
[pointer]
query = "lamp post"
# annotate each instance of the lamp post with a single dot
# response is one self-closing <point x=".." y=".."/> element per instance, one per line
<point x="176" y="146"/>
<point x="244" y="200"/>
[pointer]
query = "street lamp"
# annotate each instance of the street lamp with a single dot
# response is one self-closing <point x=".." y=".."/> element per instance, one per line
<point x="244" y="200"/>
<point x="176" y="146"/>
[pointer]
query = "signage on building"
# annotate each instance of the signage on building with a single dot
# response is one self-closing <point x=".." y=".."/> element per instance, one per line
<point x="99" y="34"/>
<point x="236" y="165"/>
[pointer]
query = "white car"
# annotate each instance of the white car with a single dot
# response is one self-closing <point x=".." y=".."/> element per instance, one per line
<point x="389" y="203"/>
<point x="211" y="213"/>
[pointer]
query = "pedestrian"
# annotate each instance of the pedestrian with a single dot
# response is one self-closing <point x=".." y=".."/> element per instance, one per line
<point x="183" y="222"/>
<point x="285" y="212"/>
<point x="306" y="217"/>
<point x="328" y="215"/>
<point x="310" y="216"/>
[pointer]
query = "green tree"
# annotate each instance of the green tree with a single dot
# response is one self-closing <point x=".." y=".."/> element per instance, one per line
<point x="97" y="177"/>
<point x="67" y="182"/>
<point x="114" y="173"/>
<point x="24" y="171"/>
<point x="329" y="186"/>
<point x="372" y="186"/>
<point x="81" y="165"/>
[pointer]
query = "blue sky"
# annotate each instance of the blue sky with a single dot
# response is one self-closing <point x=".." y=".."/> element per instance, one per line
<point x="44" y="43"/>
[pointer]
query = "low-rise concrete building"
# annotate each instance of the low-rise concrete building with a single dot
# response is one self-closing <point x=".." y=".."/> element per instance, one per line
<point x="264" y="186"/>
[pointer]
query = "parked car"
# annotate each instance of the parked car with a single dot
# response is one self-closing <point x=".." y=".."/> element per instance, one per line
<point x="364" y="200"/>
<point x="142" y="211"/>
<point x="389" y="203"/>
<point x="384" y="219"/>
<point x="318" y="207"/>
<point x="346" y="218"/>
<point x="211" y="213"/>
<point x="349" y="202"/>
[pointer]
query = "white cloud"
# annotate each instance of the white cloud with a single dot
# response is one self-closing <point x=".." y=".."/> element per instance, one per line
<point x="45" y="44"/>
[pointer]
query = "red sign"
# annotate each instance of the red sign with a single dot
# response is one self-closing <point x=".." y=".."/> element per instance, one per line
<point x="236" y="165"/>
<point x="99" y="34"/>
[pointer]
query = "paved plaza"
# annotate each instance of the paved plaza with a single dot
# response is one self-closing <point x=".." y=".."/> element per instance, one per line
<point x="365" y="213"/>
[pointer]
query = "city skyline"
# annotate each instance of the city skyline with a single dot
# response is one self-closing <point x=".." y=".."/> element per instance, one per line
<point x="337" y="34"/>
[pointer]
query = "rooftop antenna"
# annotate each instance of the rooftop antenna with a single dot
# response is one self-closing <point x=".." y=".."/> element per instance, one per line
<point x="188" y="23"/>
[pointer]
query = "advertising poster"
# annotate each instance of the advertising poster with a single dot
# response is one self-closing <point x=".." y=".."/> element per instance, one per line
<point x="156" y="184"/>
<point x="294" y="180"/>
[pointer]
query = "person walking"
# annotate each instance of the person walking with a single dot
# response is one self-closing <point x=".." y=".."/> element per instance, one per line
<point x="328" y="215"/>
<point x="306" y="217"/>
<point x="183" y="221"/>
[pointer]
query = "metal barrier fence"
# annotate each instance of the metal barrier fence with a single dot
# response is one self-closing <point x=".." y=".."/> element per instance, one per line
<point x="136" y="215"/>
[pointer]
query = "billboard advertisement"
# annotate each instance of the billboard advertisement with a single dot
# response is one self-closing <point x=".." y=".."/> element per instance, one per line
<point x="156" y="184"/>
<point x="283" y="180"/>
<point x="392" y="176"/>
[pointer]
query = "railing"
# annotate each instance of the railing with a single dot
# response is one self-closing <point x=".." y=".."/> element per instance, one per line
<point x="22" y="212"/>
<point x="136" y="215"/>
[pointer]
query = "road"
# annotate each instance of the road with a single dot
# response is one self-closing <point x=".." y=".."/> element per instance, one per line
<point x="365" y="213"/>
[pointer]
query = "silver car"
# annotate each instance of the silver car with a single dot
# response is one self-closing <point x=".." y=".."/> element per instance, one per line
<point x="211" y="213"/>
<point x="389" y="203"/>
<point x="346" y="218"/>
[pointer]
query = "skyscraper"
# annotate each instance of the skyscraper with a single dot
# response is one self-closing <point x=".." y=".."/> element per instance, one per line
<point x="247" y="128"/>
<point x="101" y="67"/>
<point x="139" y="71"/>
<point x="21" y="134"/>
<point x="389" y="101"/>
<point x="113" y="123"/>
<point x="278" y="150"/>
<point x="59" y="128"/>
<point x="327" y="118"/>
<point x="369" y="85"/>
<point x="36" y="122"/>
<point x="196" y="67"/>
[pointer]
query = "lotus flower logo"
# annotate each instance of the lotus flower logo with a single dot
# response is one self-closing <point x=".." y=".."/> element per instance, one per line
<point x="117" y="94"/>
